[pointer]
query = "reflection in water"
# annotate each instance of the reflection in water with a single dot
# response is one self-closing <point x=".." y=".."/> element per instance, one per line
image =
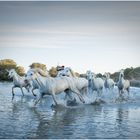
<point x="122" y="115"/>
<point x="67" y="122"/>
<point x="121" y="121"/>
<point x="20" y="120"/>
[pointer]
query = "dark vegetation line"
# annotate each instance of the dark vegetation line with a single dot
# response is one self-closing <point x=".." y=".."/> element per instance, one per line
<point x="132" y="74"/>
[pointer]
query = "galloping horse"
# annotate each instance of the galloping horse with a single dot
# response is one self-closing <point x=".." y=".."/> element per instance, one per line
<point x="18" y="81"/>
<point x="95" y="84"/>
<point x="52" y="86"/>
<point x="81" y="83"/>
<point x="123" y="84"/>
<point x="109" y="83"/>
<point x="33" y="84"/>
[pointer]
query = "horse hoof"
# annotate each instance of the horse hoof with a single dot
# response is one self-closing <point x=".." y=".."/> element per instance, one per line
<point x="52" y="105"/>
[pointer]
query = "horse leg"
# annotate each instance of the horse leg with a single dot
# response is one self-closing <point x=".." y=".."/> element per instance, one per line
<point x="106" y="90"/>
<point x="112" y="87"/>
<point x="119" y="93"/>
<point x="33" y="92"/>
<point x="84" y="91"/>
<point x="22" y="91"/>
<point x="53" y="95"/>
<point x="128" y="90"/>
<point x="97" y="95"/>
<point x="72" y="99"/>
<point x="79" y="95"/>
<point x="69" y="94"/>
<point x="27" y="88"/>
<point x="65" y="96"/>
<point x="99" y="91"/>
<point x="90" y="90"/>
<point x="13" y="90"/>
<point x="38" y="100"/>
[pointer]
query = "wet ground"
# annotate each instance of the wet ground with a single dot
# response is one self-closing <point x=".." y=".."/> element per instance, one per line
<point x="113" y="119"/>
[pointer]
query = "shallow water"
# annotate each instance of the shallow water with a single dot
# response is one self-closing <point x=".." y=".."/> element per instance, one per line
<point x="20" y="119"/>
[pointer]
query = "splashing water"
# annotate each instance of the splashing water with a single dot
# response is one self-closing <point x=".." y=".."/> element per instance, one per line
<point x="116" y="118"/>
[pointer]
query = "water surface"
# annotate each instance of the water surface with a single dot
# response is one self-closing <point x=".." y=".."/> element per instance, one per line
<point x="19" y="119"/>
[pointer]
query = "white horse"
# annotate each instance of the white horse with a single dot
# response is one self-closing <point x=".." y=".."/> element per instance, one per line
<point x="95" y="84"/>
<point x="34" y="84"/>
<point x="18" y="81"/>
<point x="109" y="83"/>
<point x="81" y="83"/>
<point x="52" y="86"/>
<point x="123" y="84"/>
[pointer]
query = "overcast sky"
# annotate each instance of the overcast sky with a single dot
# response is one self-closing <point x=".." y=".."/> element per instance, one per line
<point x="100" y="36"/>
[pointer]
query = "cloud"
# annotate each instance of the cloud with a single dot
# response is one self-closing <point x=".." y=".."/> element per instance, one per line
<point x="105" y="32"/>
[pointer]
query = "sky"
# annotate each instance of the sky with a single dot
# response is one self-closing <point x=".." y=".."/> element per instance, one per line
<point x="97" y="36"/>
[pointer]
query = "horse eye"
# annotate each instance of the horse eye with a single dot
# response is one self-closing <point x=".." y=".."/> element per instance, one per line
<point x="31" y="74"/>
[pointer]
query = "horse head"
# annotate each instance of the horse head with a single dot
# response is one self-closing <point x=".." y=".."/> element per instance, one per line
<point x="122" y="73"/>
<point x="89" y="75"/>
<point x="30" y="75"/>
<point x="33" y="74"/>
<point x="12" y="73"/>
<point x="107" y="75"/>
<point x="67" y="72"/>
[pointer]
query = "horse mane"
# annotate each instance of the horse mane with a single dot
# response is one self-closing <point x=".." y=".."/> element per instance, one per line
<point x="72" y="72"/>
<point x="41" y="72"/>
